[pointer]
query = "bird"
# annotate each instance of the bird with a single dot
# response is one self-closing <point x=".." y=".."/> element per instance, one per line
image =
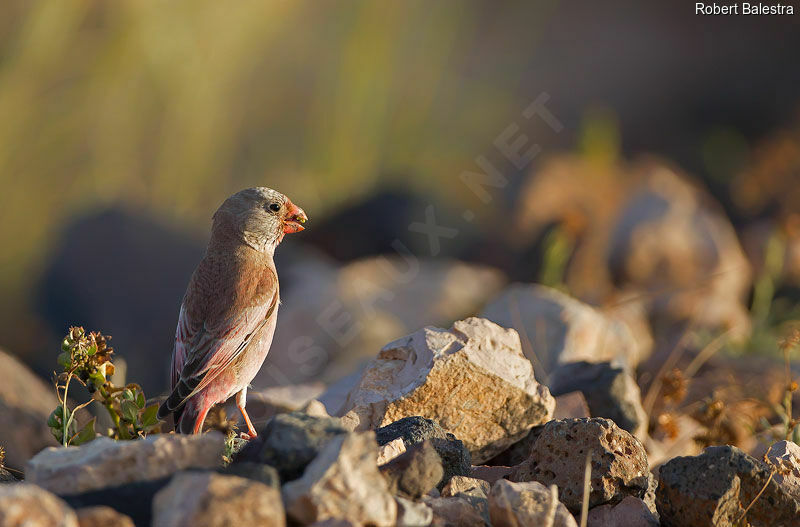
<point x="227" y="317"/>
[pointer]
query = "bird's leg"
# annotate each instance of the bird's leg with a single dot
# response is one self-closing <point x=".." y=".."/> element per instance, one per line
<point x="241" y="401"/>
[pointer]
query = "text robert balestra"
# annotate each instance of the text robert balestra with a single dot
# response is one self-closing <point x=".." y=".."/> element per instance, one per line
<point x="743" y="8"/>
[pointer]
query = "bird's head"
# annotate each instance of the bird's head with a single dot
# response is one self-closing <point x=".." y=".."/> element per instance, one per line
<point x="259" y="216"/>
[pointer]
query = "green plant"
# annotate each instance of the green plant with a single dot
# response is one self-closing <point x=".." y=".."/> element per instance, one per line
<point x="218" y="420"/>
<point x="558" y="248"/>
<point x="86" y="358"/>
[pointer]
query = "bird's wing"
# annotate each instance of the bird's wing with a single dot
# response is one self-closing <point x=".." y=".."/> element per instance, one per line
<point x="224" y="307"/>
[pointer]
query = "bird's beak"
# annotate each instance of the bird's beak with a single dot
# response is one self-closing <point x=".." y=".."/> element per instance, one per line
<point x="295" y="218"/>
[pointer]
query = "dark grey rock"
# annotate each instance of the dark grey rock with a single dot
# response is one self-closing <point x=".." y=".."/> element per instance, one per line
<point x="518" y="452"/>
<point x="415" y="472"/>
<point x="289" y="442"/>
<point x="716" y="486"/>
<point x="456" y="459"/>
<point x="255" y="471"/>
<point x="132" y="499"/>
<point x="610" y="391"/>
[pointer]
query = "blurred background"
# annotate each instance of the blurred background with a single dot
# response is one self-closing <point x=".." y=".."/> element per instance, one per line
<point x="662" y="173"/>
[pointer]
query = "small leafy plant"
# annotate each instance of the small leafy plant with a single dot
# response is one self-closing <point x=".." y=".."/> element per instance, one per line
<point x="218" y="420"/>
<point x="86" y="358"/>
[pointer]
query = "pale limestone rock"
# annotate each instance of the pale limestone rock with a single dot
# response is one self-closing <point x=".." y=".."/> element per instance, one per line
<point x="459" y="510"/>
<point x="472" y="379"/>
<point x="557" y="329"/>
<point x="673" y="245"/>
<point x="413" y="513"/>
<point x="26" y="505"/>
<point x="265" y="402"/>
<point x="335" y="318"/>
<point x="209" y="499"/>
<point x="463" y="484"/>
<point x="529" y="503"/>
<point x="390" y="450"/>
<point x="342" y="482"/>
<point x="785" y="455"/>
<point x="108" y="463"/>
<point x="102" y="516"/>
<point x="630" y="512"/>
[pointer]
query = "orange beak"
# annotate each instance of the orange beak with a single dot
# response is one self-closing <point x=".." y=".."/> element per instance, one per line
<point x="295" y="218"/>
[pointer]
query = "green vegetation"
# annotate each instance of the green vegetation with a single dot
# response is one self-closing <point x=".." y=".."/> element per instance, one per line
<point x="86" y="359"/>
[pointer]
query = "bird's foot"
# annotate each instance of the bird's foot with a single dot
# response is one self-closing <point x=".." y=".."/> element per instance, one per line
<point x="248" y="437"/>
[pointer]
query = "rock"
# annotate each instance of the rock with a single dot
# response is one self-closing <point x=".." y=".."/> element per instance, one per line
<point x="456" y="459"/>
<point x="26" y="505"/>
<point x="630" y="512"/>
<point x="650" y="496"/>
<point x="491" y="474"/>
<point x="209" y="499"/>
<point x="267" y="402"/>
<point x="413" y="513"/>
<point x="571" y="405"/>
<point x="107" y="463"/>
<point x="128" y="292"/>
<point x="315" y="408"/>
<point x="528" y="503"/>
<point x="716" y="486"/>
<point x="618" y="461"/>
<point x="557" y="329"/>
<point x="463" y="501"/>
<point x="134" y="500"/>
<point x="102" y="516"/>
<point x="335" y="522"/>
<point x="390" y="450"/>
<point x="335" y="318"/>
<point x="610" y="392"/>
<point x="414" y="473"/>
<point x="472" y="379"/>
<point x="519" y="451"/>
<point x="464" y="485"/>
<point x="342" y="482"/>
<point x="674" y="245"/>
<point x="335" y="395"/>
<point x="459" y="510"/>
<point x="289" y="442"/>
<point x="25" y="404"/>
<point x="785" y="455"/>
<point x="256" y="471"/>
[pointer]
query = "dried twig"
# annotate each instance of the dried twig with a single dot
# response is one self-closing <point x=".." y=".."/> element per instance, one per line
<point x="550" y="519"/>
<point x="760" y="492"/>
<point x="587" y="489"/>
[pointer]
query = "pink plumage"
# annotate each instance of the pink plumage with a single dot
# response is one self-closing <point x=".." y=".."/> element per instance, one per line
<point x="228" y="315"/>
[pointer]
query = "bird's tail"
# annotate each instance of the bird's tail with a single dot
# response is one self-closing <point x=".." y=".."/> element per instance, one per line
<point x="186" y="412"/>
<point x="186" y="418"/>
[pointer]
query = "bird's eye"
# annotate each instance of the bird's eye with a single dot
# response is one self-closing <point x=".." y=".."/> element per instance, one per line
<point x="274" y="207"/>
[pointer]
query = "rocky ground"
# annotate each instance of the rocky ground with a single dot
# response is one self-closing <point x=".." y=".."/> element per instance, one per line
<point x="543" y="410"/>
<point x="444" y="427"/>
